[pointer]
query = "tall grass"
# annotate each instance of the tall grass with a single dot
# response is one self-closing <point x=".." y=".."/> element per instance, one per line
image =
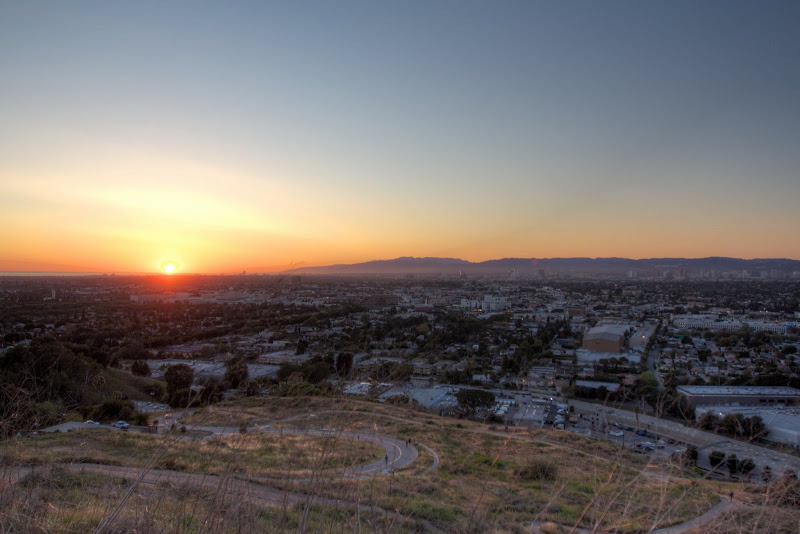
<point x="486" y="480"/>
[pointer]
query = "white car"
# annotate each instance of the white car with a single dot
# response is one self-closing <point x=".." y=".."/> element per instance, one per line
<point x="616" y="433"/>
<point x="121" y="425"/>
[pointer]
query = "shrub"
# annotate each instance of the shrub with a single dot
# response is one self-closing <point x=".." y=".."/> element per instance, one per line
<point x="115" y="409"/>
<point x="538" y="470"/>
<point x="141" y="419"/>
<point x="691" y="454"/>
<point x="746" y="465"/>
<point x="716" y="458"/>
<point x="180" y="398"/>
<point x="733" y="464"/>
<point x="140" y="368"/>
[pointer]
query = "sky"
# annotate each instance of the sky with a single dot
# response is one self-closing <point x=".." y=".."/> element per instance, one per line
<point x="261" y="136"/>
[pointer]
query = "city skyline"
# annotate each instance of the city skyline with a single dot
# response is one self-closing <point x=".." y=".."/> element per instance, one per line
<point x="263" y="137"/>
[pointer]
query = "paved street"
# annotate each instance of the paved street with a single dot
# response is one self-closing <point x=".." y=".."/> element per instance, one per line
<point x="705" y="441"/>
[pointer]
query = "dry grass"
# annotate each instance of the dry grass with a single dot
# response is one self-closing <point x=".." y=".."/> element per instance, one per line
<point x="486" y="480"/>
<point x="252" y="453"/>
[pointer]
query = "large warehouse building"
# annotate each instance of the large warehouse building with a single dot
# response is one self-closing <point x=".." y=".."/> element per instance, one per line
<point x="740" y="395"/>
<point x="606" y="338"/>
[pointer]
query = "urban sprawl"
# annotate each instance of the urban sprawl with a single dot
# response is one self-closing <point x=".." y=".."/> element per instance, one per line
<point x="658" y="365"/>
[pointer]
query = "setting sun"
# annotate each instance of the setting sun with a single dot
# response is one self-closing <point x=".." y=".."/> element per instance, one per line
<point x="169" y="267"/>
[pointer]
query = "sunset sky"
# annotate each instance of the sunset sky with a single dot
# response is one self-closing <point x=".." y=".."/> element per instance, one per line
<point x="267" y="135"/>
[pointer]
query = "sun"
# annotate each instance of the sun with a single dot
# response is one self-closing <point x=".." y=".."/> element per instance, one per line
<point x="169" y="267"/>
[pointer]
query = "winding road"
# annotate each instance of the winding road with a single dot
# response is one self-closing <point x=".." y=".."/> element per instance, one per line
<point x="399" y="454"/>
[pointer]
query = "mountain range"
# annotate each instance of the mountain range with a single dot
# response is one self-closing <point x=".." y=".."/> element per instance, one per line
<point x="533" y="266"/>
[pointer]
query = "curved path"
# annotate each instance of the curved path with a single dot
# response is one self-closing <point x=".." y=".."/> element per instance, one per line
<point x="399" y="453"/>
<point x="703" y="519"/>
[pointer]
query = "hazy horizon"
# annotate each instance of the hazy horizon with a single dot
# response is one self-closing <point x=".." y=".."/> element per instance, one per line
<point x="263" y="137"/>
<point x="376" y="260"/>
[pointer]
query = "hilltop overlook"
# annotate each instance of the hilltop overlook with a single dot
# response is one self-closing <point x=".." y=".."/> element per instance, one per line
<point x="292" y="464"/>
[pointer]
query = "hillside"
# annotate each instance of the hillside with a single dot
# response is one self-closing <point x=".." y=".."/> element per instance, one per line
<point x="314" y="464"/>
<point x="43" y="381"/>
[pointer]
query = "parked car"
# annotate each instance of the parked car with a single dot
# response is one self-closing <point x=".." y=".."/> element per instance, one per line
<point x="616" y="433"/>
<point x="661" y="444"/>
<point x="641" y="433"/>
<point x="90" y="422"/>
<point x="122" y="425"/>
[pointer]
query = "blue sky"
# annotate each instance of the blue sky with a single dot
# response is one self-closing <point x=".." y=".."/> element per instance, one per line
<point x="257" y="135"/>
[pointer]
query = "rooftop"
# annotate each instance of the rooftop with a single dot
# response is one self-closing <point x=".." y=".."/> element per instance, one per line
<point x="739" y="390"/>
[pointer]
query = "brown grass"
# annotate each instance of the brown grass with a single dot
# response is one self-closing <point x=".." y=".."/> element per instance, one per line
<point x="487" y="480"/>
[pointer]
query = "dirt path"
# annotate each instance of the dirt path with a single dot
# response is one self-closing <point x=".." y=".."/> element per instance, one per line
<point x="705" y="518"/>
<point x="722" y="507"/>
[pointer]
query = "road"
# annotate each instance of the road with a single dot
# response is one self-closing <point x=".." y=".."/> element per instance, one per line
<point x="652" y="359"/>
<point x="705" y="441"/>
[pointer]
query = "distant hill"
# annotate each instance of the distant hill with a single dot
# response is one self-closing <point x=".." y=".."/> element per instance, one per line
<point x="533" y="266"/>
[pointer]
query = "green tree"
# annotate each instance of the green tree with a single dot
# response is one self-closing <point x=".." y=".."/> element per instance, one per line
<point x="731" y="424"/>
<point x="177" y="377"/>
<point x="716" y="459"/>
<point x="691" y="454"/>
<point x="472" y="399"/>
<point x="286" y="370"/>
<point x="314" y="373"/>
<point x="733" y="464"/>
<point x="708" y="421"/>
<point x="344" y="364"/>
<point x="236" y="373"/>
<point x="140" y="368"/>
<point x="647" y="379"/>
<point x="180" y="398"/>
<point x="747" y="465"/>
<point x="211" y="391"/>
<point x="115" y="409"/>
<point x="754" y="427"/>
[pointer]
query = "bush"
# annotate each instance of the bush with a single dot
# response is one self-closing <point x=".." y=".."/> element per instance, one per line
<point x="538" y="470"/>
<point x="691" y="454"/>
<point x="733" y="464"/>
<point x="115" y="409"/>
<point x="180" y="398"/>
<point x="141" y="419"/>
<point x="140" y="368"/>
<point x="746" y="465"/>
<point x="716" y="458"/>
